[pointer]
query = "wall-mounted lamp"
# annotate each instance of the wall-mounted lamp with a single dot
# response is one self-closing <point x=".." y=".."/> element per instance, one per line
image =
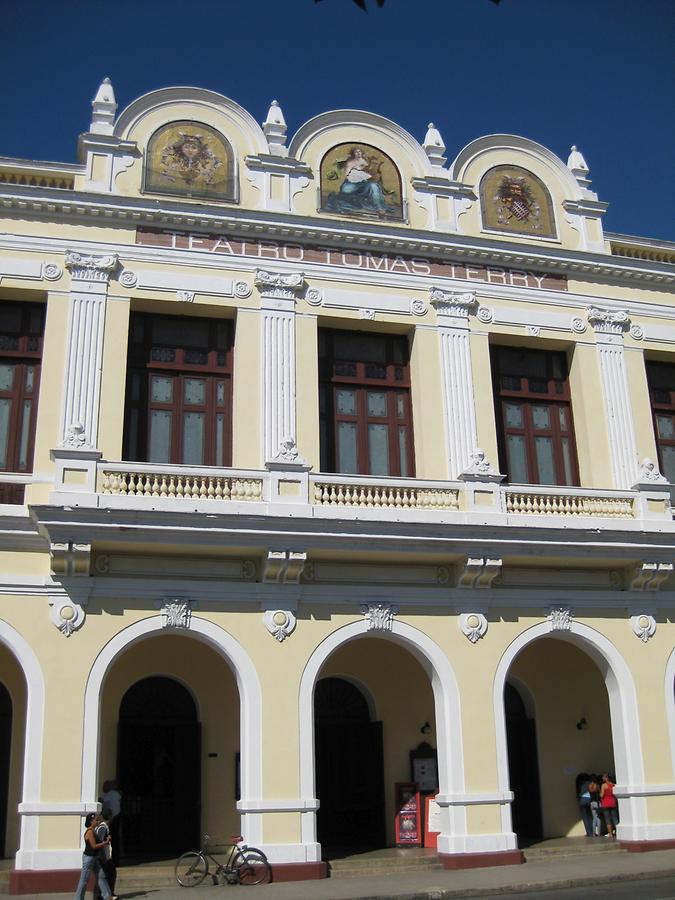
<point x="426" y="728"/>
<point x="582" y="724"/>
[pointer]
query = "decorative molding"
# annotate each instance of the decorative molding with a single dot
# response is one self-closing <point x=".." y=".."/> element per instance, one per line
<point x="69" y="558"/>
<point x="649" y="473"/>
<point x="75" y="437"/>
<point x="474" y="625"/>
<point x="128" y="279"/>
<point x="480" y="469"/>
<point x="51" y="271"/>
<point x="176" y="613"/>
<point x="479" y="572"/>
<point x="379" y="616"/>
<point x="66" y="615"/>
<point x="242" y="289"/>
<point x="278" y="284"/>
<point x="533" y="330"/>
<point x="559" y="618"/>
<point x="278" y="372"/>
<point x="185" y="296"/>
<point x="449" y="303"/>
<point x="288" y="453"/>
<point x="485" y="314"/>
<point x="83" y="267"/>
<point x="367" y="314"/>
<point x="637" y="332"/>
<point x="418" y="307"/>
<point x="314" y="296"/>
<point x="283" y="566"/>
<point x="608" y="321"/>
<point x="578" y="325"/>
<point x="650" y="575"/>
<point x="280" y="623"/>
<point x="644" y="626"/>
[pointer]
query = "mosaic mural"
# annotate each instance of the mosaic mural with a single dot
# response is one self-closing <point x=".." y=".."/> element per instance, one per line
<point x="190" y="159"/>
<point x="514" y="200"/>
<point x="360" y="180"/>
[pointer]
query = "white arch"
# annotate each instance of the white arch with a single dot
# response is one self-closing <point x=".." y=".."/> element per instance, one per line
<point x="448" y="726"/>
<point x="670" y="704"/>
<point x="34" y="734"/>
<point x="623" y="712"/>
<point x="250" y="706"/>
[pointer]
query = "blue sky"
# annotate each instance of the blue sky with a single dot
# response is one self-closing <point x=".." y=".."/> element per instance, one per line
<point x="596" y="73"/>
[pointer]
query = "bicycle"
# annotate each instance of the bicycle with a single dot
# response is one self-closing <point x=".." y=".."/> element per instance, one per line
<point x="244" y="865"/>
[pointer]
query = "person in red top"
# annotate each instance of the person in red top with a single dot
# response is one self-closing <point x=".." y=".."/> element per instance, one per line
<point x="608" y="804"/>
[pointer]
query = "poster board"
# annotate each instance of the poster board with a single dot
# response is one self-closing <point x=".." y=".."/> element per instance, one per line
<point x="432" y="821"/>
<point x="408" y="815"/>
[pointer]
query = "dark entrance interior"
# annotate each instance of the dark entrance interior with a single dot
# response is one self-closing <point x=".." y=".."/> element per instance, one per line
<point x="521" y="738"/>
<point x="5" y="750"/>
<point x="159" y="754"/>
<point x="349" y="769"/>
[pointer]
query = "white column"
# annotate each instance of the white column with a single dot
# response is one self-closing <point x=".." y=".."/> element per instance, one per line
<point x="609" y="328"/>
<point x="90" y="276"/>
<point x="278" y="294"/>
<point x="458" y="397"/>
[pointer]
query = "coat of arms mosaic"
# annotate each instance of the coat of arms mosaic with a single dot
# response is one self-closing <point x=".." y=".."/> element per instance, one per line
<point x="516" y="201"/>
<point x="360" y="180"/>
<point x="190" y="159"/>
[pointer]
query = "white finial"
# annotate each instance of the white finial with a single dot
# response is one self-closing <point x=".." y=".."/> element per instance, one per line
<point x="434" y="146"/>
<point x="103" y="108"/>
<point x="576" y="161"/>
<point x="274" y="128"/>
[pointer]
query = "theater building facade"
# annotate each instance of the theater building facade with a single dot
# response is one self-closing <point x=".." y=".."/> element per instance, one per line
<point x="327" y="466"/>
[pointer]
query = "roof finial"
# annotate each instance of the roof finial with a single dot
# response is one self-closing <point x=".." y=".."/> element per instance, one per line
<point x="434" y="147"/>
<point x="274" y="128"/>
<point x="578" y="167"/>
<point x="103" y="108"/>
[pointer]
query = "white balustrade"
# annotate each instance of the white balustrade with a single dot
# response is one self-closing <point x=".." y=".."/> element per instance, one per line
<point x="569" y="504"/>
<point x="384" y="496"/>
<point x="175" y="485"/>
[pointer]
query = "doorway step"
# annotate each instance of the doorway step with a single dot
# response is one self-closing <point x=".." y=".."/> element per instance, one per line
<point x="560" y="848"/>
<point x="388" y="861"/>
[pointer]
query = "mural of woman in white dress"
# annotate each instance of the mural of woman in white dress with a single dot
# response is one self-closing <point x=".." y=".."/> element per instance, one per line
<point x="368" y="184"/>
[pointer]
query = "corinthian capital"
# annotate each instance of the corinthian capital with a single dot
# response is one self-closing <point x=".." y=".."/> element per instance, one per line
<point x="452" y="304"/>
<point x="87" y="267"/>
<point x="608" y="321"/>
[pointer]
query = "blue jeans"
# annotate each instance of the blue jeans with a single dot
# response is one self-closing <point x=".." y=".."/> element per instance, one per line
<point x="91" y="864"/>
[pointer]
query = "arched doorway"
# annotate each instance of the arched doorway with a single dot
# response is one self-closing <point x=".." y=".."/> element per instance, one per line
<point x="5" y="756"/>
<point x="159" y="757"/>
<point x="521" y="738"/>
<point x="573" y="732"/>
<point x="349" y="768"/>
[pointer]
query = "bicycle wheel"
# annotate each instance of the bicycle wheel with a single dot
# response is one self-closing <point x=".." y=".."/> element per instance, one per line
<point x="252" y="867"/>
<point x="191" y="869"/>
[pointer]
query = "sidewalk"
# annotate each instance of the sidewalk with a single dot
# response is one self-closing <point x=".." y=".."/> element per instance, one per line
<point x="571" y="871"/>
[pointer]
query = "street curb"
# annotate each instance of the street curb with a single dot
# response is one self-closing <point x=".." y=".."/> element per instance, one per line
<point x="524" y="887"/>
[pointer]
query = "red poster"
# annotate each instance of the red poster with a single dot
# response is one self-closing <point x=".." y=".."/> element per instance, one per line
<point x="408" y="830"/>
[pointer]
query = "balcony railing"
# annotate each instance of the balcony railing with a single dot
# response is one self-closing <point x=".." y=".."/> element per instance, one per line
<point x="178" y="483"/>
<point x="274" y="490"/>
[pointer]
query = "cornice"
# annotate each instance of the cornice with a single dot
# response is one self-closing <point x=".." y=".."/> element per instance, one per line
<point x="81" y="207"/>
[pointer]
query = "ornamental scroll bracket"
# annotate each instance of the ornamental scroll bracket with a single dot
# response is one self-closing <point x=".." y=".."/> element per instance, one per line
<point x="283" y="566"/>
<point x="479" y="572"/>
<point x="650" y="575"/>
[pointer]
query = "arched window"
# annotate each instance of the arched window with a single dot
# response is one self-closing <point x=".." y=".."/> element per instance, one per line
<point x="191" y="160"/>
<point x="515" y="201"/>
<point x="360" y="180"/>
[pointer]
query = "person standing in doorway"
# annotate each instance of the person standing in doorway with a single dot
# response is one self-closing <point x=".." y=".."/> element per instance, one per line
<point x="584" y="797"/>
<point x="608" y="804"/>
<point x="111" y="799"/>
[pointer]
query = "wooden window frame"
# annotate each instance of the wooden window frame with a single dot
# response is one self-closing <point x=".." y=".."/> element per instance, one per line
<point x="143" y="363"/>
<point x="660" y="406"/>
<point x="556" y="395"/>
<point x="362" y="380"/>
<point x="21" y="347"/>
